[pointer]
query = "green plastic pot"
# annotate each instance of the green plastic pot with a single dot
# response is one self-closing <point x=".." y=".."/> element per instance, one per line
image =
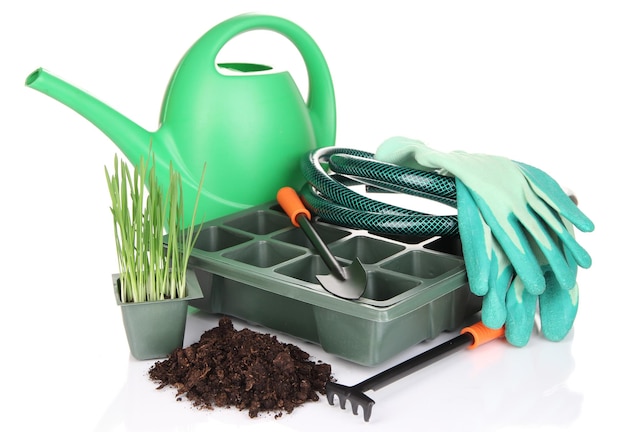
<point x="156" y="329"/>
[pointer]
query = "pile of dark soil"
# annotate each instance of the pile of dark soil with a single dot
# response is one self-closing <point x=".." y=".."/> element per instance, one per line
<point x="245" y="369"/>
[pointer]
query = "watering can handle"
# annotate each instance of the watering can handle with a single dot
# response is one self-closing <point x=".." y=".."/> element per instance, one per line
<point x="321" y="97"/>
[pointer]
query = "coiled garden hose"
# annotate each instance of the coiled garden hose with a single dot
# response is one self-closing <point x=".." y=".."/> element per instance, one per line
<point x="327" y="194"/>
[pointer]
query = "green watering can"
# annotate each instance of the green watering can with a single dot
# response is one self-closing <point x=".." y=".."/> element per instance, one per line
<point x="249" y="124"/>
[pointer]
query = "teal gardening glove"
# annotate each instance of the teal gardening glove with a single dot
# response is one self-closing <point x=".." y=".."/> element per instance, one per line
<point x="516" y="232"/>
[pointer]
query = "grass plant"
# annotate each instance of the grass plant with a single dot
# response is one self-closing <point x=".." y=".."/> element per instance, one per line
<point x="148" y="270"/>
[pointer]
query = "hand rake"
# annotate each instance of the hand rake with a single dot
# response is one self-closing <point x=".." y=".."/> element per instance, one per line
<point x="474" y="335"/>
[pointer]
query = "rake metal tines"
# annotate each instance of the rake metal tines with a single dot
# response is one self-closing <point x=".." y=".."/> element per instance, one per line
<point x="353" y="394"/>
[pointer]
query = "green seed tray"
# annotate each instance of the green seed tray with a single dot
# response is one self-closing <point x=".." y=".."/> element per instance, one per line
<point x="256" y="266"/>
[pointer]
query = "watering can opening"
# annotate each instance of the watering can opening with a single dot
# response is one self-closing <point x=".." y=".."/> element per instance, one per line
<point x="33" y="77"/>
<point x="243" y="67"/>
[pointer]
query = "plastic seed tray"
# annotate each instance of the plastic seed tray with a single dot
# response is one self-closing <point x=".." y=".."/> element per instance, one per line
<point x="256" y="266"/>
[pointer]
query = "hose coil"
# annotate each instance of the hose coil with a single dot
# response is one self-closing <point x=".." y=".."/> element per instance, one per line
<point x="327" y="194"/>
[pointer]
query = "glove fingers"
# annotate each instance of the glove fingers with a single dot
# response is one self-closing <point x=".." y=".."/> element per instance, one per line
<point x="494" y="303"/>
<point x="552" y="257"/>
<point x="580" y="255"/>
<point x="553" y="194"/>
<point x="516" y="247"/>
<point x="558" y="310"/>
<point x="573" y="251"/>
<point x="475" y="240"/>
<point x="558" y="226"/>
<point x="521" y="307"/>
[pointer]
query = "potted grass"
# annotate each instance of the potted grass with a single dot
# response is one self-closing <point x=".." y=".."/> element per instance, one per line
<point x="154" y="285"/>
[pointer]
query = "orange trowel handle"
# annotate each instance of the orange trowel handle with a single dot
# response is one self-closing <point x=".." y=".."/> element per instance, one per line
<point x="291" y="203"/>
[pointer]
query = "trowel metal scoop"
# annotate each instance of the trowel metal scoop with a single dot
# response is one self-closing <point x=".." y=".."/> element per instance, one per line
<point x="345" y="282"/>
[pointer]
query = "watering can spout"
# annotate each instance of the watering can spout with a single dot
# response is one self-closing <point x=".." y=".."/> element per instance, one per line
<point x="132" y="140"/>
<point x="249" y="123"/>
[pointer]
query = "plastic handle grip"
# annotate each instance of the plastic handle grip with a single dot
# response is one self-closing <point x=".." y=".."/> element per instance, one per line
<point x="482" y="334"/>
<point x="291" y="203"/>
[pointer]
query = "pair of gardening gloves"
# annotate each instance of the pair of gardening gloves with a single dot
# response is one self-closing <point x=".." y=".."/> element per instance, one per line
<point x="517" y="233"/>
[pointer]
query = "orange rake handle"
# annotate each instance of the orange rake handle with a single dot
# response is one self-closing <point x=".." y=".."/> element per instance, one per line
<point x="472" y="337"/>
<point x="482" y="334"/>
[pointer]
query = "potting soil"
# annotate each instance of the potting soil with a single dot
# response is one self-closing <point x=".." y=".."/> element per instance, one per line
<point x="243" y="369"/>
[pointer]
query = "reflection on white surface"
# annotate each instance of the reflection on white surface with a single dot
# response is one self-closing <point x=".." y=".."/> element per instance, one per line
<point x="491" y="388"/>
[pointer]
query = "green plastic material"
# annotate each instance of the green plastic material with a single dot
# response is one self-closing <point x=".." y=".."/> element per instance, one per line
<point x="257" y="266"/>
<point x="155" y="329"/>
<point x="251" y="125"/>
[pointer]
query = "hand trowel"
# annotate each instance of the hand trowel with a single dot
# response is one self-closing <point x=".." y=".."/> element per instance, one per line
<point x="345" y="282"/>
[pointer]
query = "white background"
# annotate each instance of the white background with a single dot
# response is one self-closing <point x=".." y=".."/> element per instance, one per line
<point x="538" y="81"/>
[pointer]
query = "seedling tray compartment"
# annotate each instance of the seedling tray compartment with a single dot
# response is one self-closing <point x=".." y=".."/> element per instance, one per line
<point x="256" y="266"/>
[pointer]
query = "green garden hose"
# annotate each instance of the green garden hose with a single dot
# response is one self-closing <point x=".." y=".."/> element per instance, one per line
<point x="327" y="193"/>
